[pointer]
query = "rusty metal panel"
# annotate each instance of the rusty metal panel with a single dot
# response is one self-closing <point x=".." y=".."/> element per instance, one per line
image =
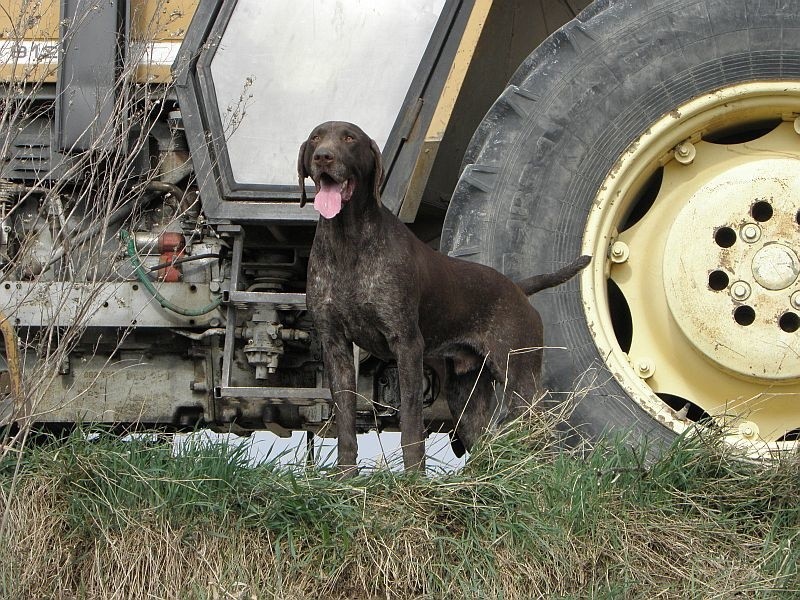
<point x="124" y="304"/>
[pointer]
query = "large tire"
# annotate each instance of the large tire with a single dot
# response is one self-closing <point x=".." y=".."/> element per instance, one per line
<point x="595" y="101"/>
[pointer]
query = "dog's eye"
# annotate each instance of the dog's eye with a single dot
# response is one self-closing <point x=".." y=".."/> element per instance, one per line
<point x="315" y="138"/>
<point x="349" y="139"/>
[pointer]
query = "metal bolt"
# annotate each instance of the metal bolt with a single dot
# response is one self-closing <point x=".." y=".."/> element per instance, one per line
<point x="620" y="252"/>
<point x="748" y="429"/>
<point x="685" y="152"/>
<point x="740" y="290"/>
<point x="645" y="368"/>
<point x="796" y="300"/>
<point x="751" y="233"/>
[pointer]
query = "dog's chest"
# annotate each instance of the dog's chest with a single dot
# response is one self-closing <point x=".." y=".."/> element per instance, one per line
<point x="357" y="302"/>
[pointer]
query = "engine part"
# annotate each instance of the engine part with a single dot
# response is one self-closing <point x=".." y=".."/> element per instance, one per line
<point x="148" y="285"/>
<point x="265" y="342"/>
<point x="386" y="394"/>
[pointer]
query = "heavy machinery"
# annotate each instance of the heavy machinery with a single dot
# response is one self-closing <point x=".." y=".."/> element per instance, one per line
<point x="153" y="249"/>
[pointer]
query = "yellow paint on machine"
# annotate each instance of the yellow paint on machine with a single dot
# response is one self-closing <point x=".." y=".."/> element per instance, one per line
<point x="29" y="34"/>
<point x="444" y="109"/>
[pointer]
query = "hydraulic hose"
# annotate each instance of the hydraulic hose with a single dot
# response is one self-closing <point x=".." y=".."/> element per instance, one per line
<point x="141" y="275"/>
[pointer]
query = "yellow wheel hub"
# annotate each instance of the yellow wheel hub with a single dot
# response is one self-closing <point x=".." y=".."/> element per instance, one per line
<point x="729" y="276"/>
<point x="697" y="303"/>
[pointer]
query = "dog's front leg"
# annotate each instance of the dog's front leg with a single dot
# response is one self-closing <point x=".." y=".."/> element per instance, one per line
<point x="412" y="433"/>
<point x="338" y="358"/>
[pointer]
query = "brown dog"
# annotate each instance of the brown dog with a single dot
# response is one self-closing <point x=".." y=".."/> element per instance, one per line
<point x="371" y="282"/>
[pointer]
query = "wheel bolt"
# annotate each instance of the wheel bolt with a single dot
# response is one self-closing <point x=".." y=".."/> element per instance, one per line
<point x="620" y="252"/>
<point x="740" y="290"/>
<point x="796" y="300"/>
<point x="748" y="429"/>
<point x="645" y="368"/>
<point x="685" y="152"/>
<point x="751" y="233"/>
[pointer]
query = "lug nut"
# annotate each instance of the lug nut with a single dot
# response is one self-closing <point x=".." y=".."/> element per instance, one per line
<point x="645" y="368"/>
<point x="751" y="233"/>
<point x="796" y="300"/>
<point x="748" y="429"/>
<point x="740" y="290"/>
<point x="685" y="152"/>
<point x="620" y="252"/>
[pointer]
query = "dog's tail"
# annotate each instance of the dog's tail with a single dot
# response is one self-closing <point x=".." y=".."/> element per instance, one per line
<point x="531" y="285"/>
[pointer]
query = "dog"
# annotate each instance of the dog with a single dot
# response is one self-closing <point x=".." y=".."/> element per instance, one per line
<point x="373" y="283"/>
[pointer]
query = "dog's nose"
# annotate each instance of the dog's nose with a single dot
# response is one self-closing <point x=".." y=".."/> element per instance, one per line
<point x="323" y="155"/>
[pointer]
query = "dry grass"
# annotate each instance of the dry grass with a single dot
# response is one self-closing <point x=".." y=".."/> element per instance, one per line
<point x="522" y="520"/>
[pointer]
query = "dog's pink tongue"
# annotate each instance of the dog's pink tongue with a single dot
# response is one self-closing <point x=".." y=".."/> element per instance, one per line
<point x="328" y="200"/>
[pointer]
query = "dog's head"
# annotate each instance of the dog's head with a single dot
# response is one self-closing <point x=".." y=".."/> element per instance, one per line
<point x="342" y="161"/>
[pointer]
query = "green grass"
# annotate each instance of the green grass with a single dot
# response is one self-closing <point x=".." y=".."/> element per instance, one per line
<point x="110" y="519"/>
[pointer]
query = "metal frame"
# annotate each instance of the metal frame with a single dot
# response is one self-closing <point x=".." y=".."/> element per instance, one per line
<point x="224" y="199"/>
<point x="281" y="301"/>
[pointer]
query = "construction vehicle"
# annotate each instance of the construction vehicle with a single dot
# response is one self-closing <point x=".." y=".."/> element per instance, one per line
<point x="153" y="249"/>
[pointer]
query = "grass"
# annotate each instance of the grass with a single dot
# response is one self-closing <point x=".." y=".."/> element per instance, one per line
<point x="110" y="519"/>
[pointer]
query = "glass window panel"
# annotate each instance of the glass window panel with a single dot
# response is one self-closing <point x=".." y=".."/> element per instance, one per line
<point x="282" y="67"/>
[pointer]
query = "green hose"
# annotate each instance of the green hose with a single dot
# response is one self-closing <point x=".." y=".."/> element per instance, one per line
<point x="130" y="247"/>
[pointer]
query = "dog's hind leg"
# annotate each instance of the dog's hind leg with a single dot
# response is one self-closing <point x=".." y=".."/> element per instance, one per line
<point x="409" y="351"/>
<point x="338" y="359"/>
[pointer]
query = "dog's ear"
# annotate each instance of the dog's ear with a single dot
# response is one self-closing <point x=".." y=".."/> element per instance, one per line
<point x="302" y="173"/>
<point x="378" y="174"/>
